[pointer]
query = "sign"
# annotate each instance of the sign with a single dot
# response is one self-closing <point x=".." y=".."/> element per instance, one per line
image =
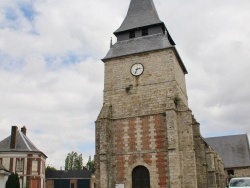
<point x="119" y="186"/>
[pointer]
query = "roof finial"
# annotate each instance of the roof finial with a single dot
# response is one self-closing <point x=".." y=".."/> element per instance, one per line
<point x="111" y="43"/>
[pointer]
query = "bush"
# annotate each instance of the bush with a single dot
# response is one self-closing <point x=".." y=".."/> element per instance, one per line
<point x="13" y="181"/>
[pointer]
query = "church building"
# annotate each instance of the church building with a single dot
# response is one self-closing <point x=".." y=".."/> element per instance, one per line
<point x="146" y="135"/>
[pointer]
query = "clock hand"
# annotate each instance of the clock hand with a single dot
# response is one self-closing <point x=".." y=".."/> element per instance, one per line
<point x="137" y="68"/>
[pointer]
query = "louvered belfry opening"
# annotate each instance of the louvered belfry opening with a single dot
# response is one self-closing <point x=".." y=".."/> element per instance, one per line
<point x="144" y="31"/>
<point x="140" y="177"/>
<point x="132" y="34"/>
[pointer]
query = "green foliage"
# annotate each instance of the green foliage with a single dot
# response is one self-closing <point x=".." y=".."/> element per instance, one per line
<point x="50" y="168"/>
<point x="91" y="165"/>
<point x="128" y="88"/>
<point x="176" y="100"/>
<point x="13" y="181"/>
<point x="73" y="161"/>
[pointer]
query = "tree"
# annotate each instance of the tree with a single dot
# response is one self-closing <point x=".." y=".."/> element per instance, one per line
<point x="49" y="168"/>
<point x="73" y="161"/>
<point x="13" y="181"/>
<point x="91" y="165"/>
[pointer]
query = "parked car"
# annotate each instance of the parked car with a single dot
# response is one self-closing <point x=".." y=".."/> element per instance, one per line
<point x="243" y="182"/>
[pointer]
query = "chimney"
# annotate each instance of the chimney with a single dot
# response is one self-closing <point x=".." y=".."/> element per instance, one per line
<point x="23" y="130"/>
<point x="13" y="141"/>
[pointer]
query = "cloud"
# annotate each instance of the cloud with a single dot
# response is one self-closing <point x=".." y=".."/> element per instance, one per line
<point x="51" y="75"/>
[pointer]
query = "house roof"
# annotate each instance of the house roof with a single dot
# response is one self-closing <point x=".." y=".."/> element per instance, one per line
<point x="23" y="144"/>
<point x="141" y="13"/>
<point x="234" y="150"/>
<point x="64" y="174"/>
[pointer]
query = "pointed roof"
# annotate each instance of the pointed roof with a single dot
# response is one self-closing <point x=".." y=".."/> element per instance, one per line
<point x="141" y="13"/>
<point x="234" y="150"/>
<point x="23" y="144"/>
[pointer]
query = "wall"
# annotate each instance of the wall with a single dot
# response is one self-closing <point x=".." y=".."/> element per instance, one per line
<point x="9" y="162"/>
<point x="3" y="179"/>
<point x="49" y="183"/>
<point x="140" y="141"/>
<point x="147" y="93"/>
<point x="240" y="172"/>
<point x="209" y="165"/>
<point x="245" y="172"/>
<point x="141" y="123"/>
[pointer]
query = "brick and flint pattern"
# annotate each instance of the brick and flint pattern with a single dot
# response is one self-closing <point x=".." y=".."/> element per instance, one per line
<point x="140" y="141"/>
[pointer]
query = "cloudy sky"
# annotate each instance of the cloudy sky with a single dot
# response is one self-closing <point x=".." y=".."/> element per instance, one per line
<point x="51" y="75"/>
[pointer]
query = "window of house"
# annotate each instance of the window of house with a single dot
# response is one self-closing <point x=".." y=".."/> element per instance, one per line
<point x="34" y="167"/>
<point x="43" y="167"/>
<point x="19" y="165"/>
<point x="1" y="161"/>
<point x="144" y="31"/>
<point x="230" y="172"/>
<point x="132" y="34"/>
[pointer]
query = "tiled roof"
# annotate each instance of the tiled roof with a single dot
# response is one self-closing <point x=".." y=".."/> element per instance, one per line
<point x="64" y="174"/>
<point x="234" y="150"/>
<point x="23" y="144"/>
<point x="140" y="13"/>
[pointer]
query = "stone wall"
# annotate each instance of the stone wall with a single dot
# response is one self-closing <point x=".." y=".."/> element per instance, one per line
<point x="236" y="172"/>
<point x="209" y="165"/>
<point x="242" y="172"/>
<point x="136" y="96"/>
<point x="145" y="121"/>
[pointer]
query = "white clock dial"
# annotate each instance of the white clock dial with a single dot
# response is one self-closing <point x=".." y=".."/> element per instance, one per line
<point x="137" y="69"/>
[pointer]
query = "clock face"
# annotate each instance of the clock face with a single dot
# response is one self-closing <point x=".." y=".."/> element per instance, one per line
<point x="137" y="69"/>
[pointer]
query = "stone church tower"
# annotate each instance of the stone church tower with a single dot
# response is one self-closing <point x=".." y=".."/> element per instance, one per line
<point x="146" y="136"/>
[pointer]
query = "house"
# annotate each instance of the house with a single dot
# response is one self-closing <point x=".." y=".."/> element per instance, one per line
<point x="68" y="179"/>
<point x="4" y="173"/>
<point x="235" y="152"/>
<point x="19" y="155"/>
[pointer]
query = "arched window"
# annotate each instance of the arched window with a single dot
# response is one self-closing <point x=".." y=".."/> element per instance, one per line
<point x="140" y="177"/>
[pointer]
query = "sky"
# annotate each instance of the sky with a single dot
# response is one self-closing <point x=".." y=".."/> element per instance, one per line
<point x="52" y="76"/>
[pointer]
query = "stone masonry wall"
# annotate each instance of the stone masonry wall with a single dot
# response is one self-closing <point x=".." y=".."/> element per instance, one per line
<point x="200" y="152"/>
<point x="209" y="166"/>
<point x="239" y="172"/>
<point x="145" y="121"/>
<point x="136" y="96"/>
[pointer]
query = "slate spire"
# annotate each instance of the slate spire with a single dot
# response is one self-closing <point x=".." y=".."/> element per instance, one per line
<point x="141" y="31"/>
<point x="141" y="13"/>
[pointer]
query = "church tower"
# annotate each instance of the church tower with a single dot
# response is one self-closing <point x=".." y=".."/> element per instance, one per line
<point x="145" y="130"/>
